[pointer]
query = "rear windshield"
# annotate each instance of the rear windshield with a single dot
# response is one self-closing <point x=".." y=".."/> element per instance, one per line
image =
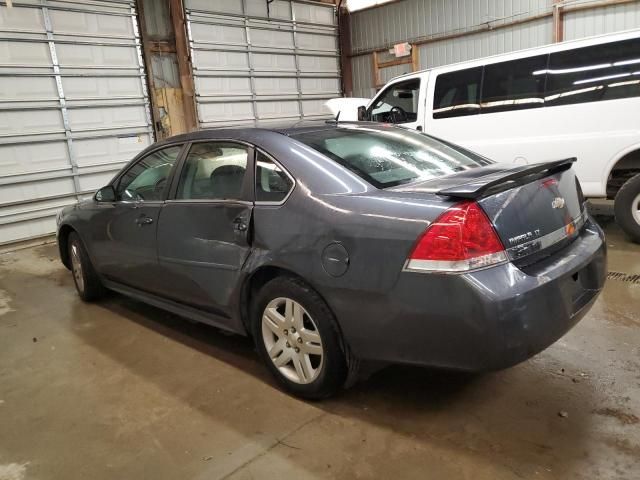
<point x="390" y="157"/>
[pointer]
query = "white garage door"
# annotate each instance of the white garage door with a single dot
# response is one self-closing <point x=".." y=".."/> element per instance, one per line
<point x="252" y="65"/>
<point x="73" y="106"/>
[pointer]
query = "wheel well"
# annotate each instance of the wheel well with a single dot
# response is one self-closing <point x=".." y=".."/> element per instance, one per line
<point x="63" y="244"/>
<point x="254" y="283"/>
<point x="627" y="167"/>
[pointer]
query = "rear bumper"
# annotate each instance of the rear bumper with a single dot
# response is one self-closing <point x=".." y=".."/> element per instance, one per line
<point x="485" y="320"/>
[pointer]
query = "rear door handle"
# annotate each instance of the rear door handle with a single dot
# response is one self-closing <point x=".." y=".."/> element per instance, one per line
<point x="144" y="220"/>
<point x="239" y="224"/>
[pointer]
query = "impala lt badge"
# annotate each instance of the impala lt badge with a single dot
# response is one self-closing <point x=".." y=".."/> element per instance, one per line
<point x="558" y="202"/>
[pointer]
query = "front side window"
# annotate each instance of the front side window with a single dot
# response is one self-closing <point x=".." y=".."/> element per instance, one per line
<point x="590" y="74"/>
<point x="513" y="85"/>
<point x="457" y="94"/>
<point x="389" y="157"/>
<point x="147" y="179"/>
<point x="272" y="183"/>
<point x="398" y="103"/>
<point x="213" y="171"/>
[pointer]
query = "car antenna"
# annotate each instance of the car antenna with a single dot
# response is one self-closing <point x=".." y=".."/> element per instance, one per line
<point x="334" y="120"/>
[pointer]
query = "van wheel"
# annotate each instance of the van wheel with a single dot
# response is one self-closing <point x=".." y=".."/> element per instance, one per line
<point x="85" y="277"/>
<point x="297" y="337"/>
<point x="627" y="208"/>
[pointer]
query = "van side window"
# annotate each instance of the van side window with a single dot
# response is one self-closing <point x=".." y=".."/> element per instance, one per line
<point x="398" y="103"/>
<point x="590" y="74"/>
<point x="514" y="85"/>
<point x="457" y="93"/>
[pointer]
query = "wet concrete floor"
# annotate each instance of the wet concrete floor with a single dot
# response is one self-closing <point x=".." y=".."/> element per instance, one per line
<point x="122" y="390"/>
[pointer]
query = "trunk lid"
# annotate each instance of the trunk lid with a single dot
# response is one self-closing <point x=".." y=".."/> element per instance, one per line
<point x="535" y="209"/>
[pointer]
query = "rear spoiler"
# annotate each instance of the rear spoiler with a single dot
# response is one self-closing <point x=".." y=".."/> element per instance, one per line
<point x="507" y="179"/>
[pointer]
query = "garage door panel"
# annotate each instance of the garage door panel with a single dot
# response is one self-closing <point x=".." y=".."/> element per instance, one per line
<point x="305" y="12"/>
<point x="317" y="86"/>
<point x="274" y="62"/>
<point x="32" y="157"/>
<point x="14" y="193"/>
<point x="106" y="117"/>
<point x="101" y="87"/>
<point x="276" y="86"/>
<point x="222" y="6"/>
<point x="228" y="111"/>
<point x="14" y="231"/>
<point x="17" y="18"/>
<point x="277" y="9"/>
<point x="318" y="64"/>
<point x="277" y="109"/>
<point x="315" y="108"/>
<point x="219" y="34"/>
<point x="116" y="150"/>
<point x="28" y="89"/>
<point x="313" y="41"/>
<point x="210" y="85"/>
<point x="24" y="53"/>
<point x="270" y="38"/>
<point x="219" y="60"/>
<point x="89" y="23"/>
<point x="25" y="122"/>
<point x="97" y="55"/>
<point x="95" y="181"/>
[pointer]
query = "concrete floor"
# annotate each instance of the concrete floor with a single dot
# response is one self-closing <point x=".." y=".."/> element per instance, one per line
<point x="123" y="390"/>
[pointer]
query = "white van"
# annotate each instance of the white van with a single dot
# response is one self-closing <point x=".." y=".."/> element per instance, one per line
<point x="575" y="99"/>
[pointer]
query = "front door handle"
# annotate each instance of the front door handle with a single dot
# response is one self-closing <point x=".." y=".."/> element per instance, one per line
<point x="144" y="220"/>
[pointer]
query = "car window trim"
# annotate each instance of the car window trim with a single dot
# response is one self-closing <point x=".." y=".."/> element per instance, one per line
<point x="255" y="183"/>
<point x="115" y="181"/>
<point x="247" y="189"/>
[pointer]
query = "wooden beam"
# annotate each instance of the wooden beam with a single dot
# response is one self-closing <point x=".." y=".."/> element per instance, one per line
<point x="176" y="11"/>
<point x="344" y="36"/>
<point x="558" y="21"/>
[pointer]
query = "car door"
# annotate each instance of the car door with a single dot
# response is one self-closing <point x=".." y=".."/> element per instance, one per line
<point x="203" y="233"/>
<point x="124" y="231"/>
<point x="399" y="103"/>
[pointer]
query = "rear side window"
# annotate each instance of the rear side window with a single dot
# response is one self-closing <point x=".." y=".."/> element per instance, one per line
<point x="513" y="85"/>
<point x="272" y="183"/>
<point x="213" y="171"/>
<point x="457" y="93"/>
<point x="591" y="74"/>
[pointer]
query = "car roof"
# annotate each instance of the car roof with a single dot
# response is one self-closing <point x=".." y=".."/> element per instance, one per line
<point x="255" y="133"/>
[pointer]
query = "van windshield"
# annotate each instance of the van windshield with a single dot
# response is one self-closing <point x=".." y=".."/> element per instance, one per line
<point x="387" y="157"/>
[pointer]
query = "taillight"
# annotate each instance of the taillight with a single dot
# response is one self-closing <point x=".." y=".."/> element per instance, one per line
<point x="461" y="239"/>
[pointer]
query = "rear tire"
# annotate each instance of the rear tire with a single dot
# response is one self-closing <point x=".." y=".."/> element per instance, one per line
<point x="627" y="208"/>
<point x="85" y="277"/>
<point x="298" y="339"/>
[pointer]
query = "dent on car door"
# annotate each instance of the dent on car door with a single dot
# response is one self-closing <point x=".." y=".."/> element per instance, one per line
<point x="203" y="233"/>
<point x="124" y="231"/>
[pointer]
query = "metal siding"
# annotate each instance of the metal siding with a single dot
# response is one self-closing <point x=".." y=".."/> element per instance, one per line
<point x="599" y="21"/>
<point x="250" y="67"/>
<point x="422" y="19"/>
<point x="362" y="68"/>
<point x="74" y="106"/>
<point x="517" y="37"/>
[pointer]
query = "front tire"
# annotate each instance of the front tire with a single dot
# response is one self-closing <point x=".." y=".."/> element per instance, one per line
<point x="627" y="208"/>
<point x="85" y="277"/>
<point x="297" y="337"/>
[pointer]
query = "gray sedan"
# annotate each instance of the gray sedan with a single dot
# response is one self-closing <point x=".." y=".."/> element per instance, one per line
<point x="336" y="244"/>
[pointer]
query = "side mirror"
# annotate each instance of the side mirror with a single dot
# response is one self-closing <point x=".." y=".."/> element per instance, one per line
<point x="362" y="113"/>
<point x="106" y="194"/>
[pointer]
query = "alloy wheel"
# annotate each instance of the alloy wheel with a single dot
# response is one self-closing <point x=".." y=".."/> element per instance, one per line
<point x="292" y="340"/>
<point x="635" y="209"/>
<point x="76" y="266"/>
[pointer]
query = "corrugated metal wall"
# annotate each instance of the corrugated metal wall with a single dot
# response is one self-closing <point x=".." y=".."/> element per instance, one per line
<point x="73" y="106"/>
<point x="414" y="20"/>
